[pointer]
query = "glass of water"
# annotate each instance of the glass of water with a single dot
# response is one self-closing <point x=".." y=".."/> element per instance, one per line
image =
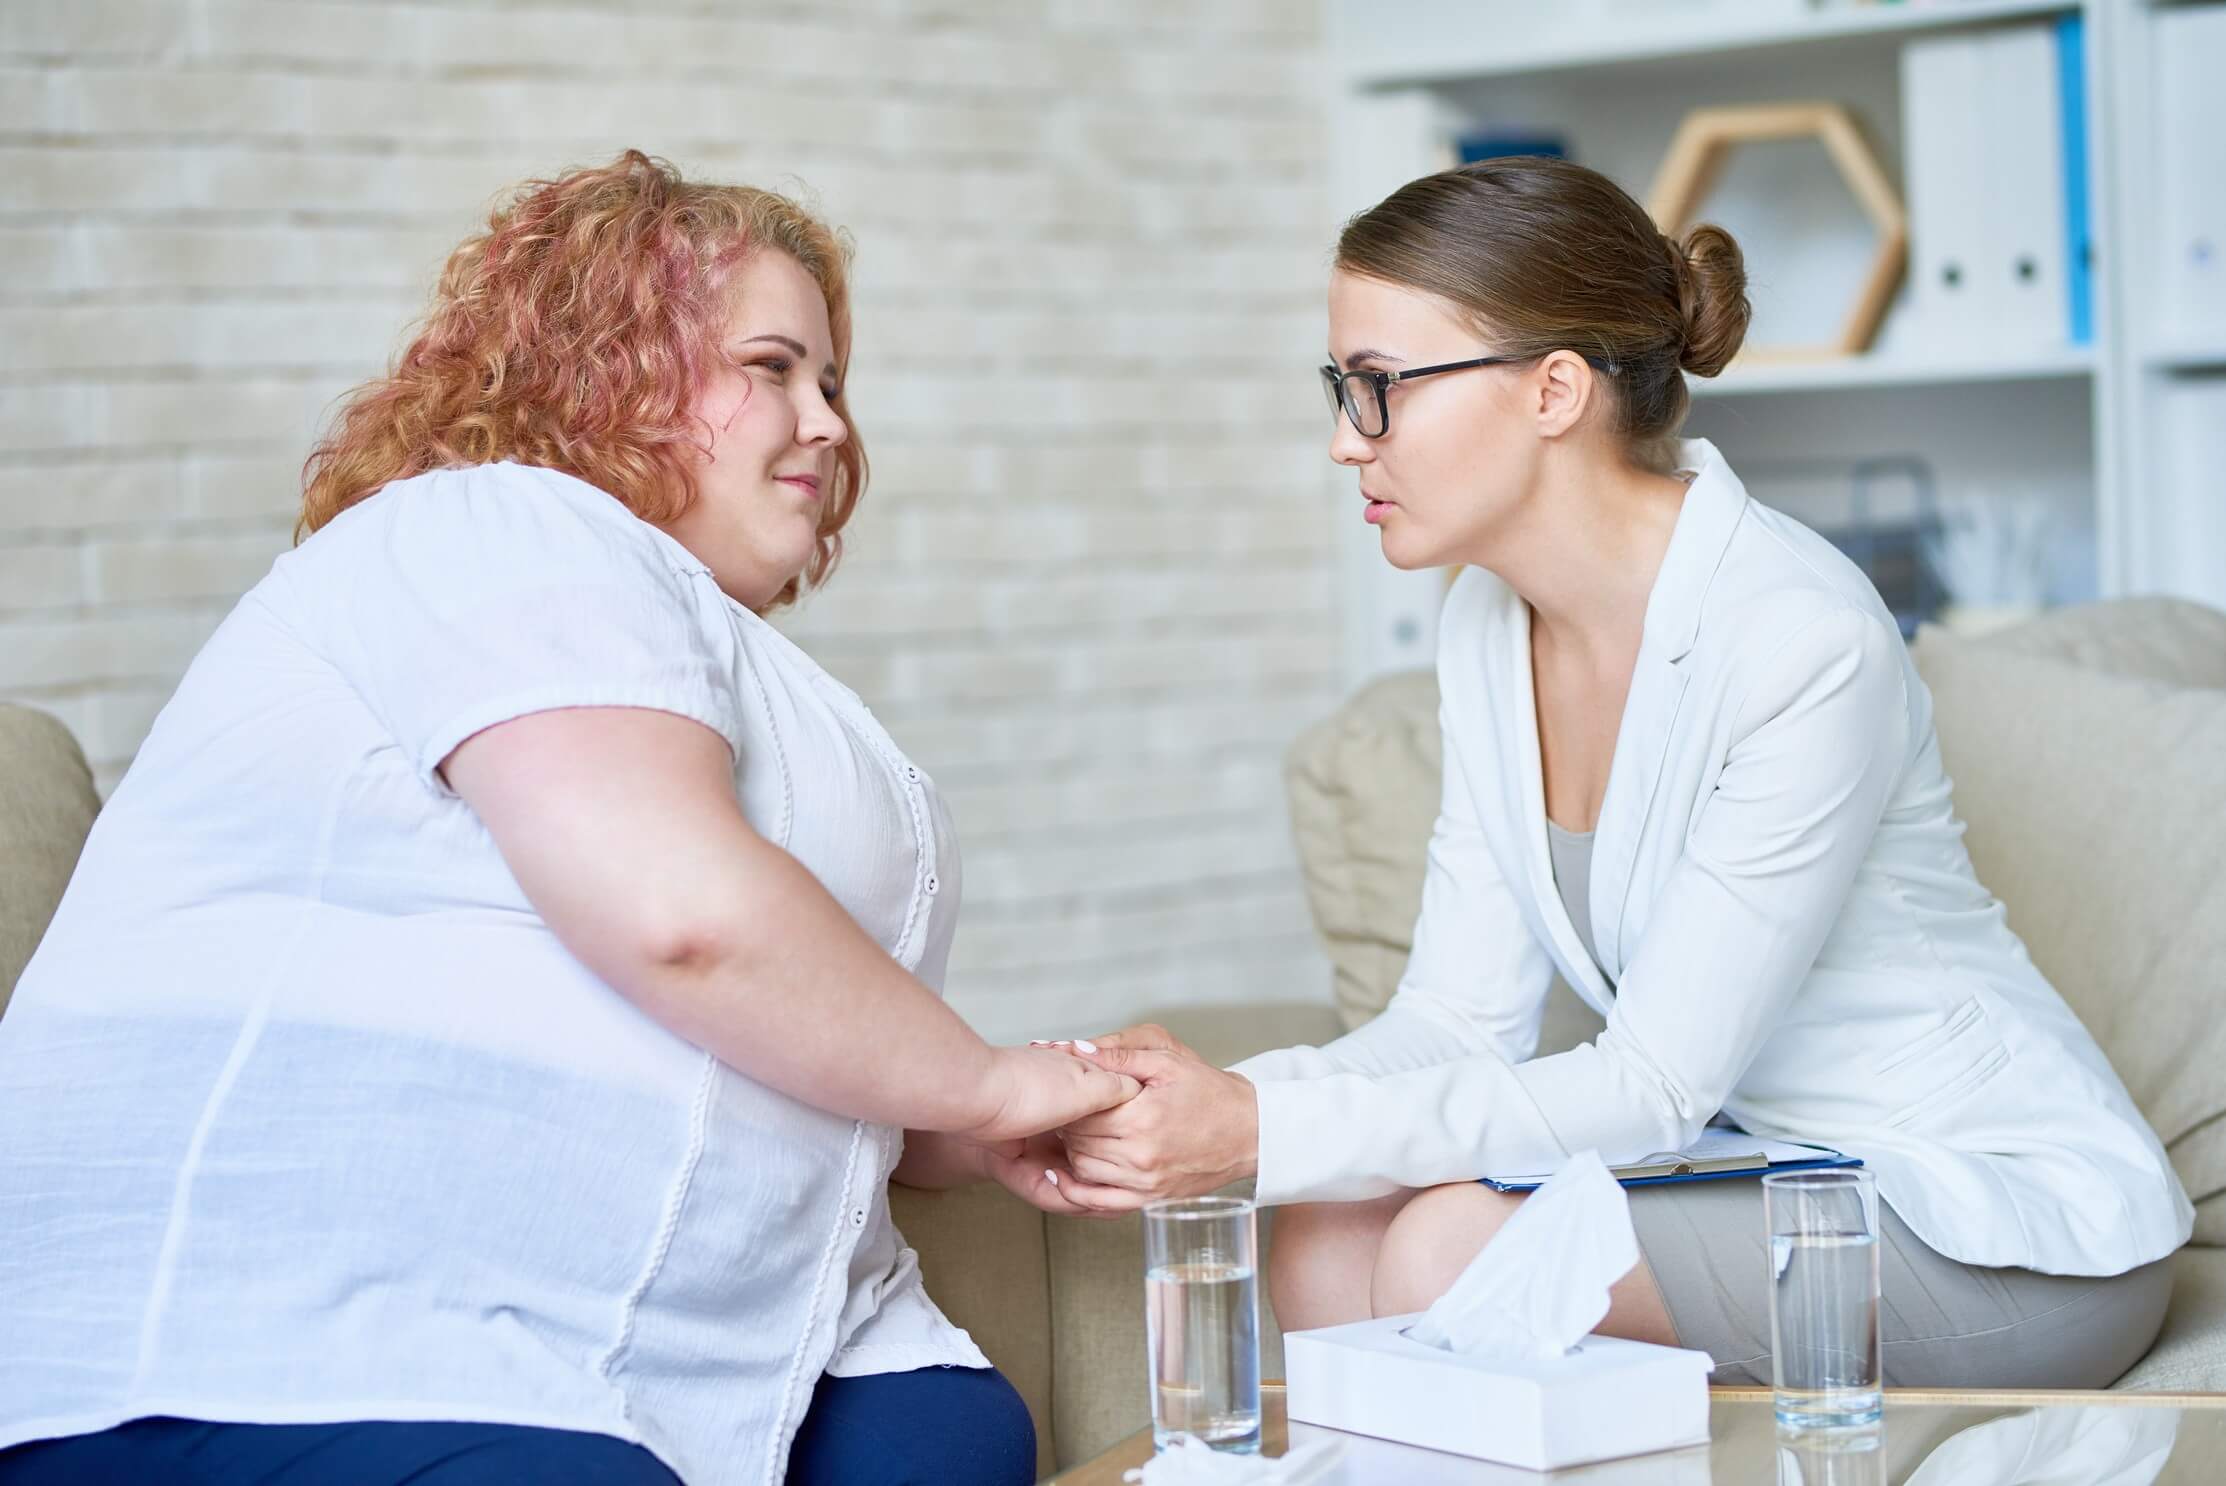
<point x="1202" y="1321"/>
<point x="1824" y="1344"/>
<point x="1849" y="1457"/>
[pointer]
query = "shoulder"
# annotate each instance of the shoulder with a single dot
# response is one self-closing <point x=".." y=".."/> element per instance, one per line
<point x="504" y="548"/>
<point x="1790" y="617"/>
<point x="498" y="519"/>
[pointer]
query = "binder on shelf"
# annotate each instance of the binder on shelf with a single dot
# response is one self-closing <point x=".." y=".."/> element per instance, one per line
<point x="2026" y="224"/>
<point x="2191" y="173"/>
<point x="1943" y="173"/>
<point x="2079" y="235"/>
<point x="1494" y="144"/>
<point x="1994" y="129"/>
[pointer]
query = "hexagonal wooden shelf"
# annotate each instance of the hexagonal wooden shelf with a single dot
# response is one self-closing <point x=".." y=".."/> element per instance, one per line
<point x="1696" y="160"/>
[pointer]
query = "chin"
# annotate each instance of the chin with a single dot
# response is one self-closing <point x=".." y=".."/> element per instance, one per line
<point x="1408" y="555"/>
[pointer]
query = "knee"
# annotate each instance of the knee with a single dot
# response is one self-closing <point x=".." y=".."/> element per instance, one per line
<point x="930" y="1425"/>
<point x="1294" y="1249"/>
<point x="1432" y="1241"/>
<point x="1008" y="1449"/>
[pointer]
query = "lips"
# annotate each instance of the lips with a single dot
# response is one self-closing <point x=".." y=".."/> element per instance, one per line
<point x="809" y="484"/>
<point x="1376" y="509"/>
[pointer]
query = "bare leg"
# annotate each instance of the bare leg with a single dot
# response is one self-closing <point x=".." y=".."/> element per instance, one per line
<point x="1321" y="1257"/>
<point x="1433" y="1238"/>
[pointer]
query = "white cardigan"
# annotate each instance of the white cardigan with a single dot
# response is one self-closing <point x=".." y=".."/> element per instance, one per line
<point x="1782" y="897"/>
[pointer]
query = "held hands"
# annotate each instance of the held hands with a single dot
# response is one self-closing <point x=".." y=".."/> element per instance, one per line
<point x="1034" y="1089"/>
<point x="1041" y="1088"/>
<point x="1193" y="1129"/>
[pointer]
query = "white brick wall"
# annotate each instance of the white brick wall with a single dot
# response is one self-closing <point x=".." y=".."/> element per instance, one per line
<point x="1092" y="586"/>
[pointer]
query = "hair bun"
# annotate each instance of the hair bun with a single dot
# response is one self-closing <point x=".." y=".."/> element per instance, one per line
<point x="1711" y="298"/>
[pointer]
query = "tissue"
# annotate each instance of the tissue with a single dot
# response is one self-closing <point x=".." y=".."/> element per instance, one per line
<point x="1190" y="1461"/>
<point x="1541" y="1285"/>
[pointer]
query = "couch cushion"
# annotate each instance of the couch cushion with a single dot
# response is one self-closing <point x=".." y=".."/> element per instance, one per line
<point x="2095" y="805"/>
<point x="982" y="1255"/>
<point x="47" y="804"/>
<point x="2163" y="639"/>
<point x="1364" y="787"/>
<point x="2190" y="1353"/>
<point x="1229" y="1034"/>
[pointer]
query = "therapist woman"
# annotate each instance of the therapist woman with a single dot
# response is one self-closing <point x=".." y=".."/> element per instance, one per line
<point x="1689" y="766"/>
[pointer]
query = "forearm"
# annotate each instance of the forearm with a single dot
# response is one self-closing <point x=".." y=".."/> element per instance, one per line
<point x="934" y="1161"/>
<point x="1348" y="1136"/>
<point x="623" y="830"/>
<point x="799" y="998"/>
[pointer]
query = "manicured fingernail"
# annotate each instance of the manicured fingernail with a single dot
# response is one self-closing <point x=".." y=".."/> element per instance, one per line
<point x="1038" y="1042"/>
<point x="1085" y="1044"/>
<point x="1051" y="1176"/>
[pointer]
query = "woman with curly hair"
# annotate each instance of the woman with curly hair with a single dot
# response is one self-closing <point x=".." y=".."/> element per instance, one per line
<point x="479" y="1035"/>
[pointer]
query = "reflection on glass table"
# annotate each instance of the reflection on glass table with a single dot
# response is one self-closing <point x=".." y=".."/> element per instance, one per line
<point x="1928" y="1438"/>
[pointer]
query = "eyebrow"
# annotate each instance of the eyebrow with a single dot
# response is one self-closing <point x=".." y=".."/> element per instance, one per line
<point x="790" y="344"/>
<point x="1364" y="354"/>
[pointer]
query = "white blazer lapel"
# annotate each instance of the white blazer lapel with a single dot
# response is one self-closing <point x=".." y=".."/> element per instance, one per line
<point x="1526" y="807"/>
<point x="1713" y="506"/>
<point x="1642" y="742"/>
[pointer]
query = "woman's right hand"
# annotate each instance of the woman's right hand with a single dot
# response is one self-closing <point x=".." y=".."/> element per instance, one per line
<point x="1034" y="1089"/>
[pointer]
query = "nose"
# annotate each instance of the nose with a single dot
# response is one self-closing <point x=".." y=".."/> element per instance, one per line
<point x="1346" y="446"/>
<point x="818" y="425"/>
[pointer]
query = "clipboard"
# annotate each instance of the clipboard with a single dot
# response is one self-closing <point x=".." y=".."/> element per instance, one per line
<point x="1717" y="1154"/>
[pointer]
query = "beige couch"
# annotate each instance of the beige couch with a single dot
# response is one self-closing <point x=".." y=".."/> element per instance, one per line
<point x="2089" y="753"/>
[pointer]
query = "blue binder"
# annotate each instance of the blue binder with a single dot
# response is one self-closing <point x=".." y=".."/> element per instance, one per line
<point x="2079" y="251"/>
<point x="1825" y="1159"/>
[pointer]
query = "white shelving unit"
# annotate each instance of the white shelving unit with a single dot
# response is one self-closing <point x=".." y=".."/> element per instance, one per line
<point x="1437" y="41"/>
<point x="2076" y="429"/>
<point x="1882" y="370"/>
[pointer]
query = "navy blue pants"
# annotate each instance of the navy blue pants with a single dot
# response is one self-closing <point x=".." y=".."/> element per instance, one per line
<point x="927" y="1428"/>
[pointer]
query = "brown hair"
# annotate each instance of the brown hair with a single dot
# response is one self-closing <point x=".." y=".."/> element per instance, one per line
<point x="575" y="333"/>
<point x="1543" y="255"/>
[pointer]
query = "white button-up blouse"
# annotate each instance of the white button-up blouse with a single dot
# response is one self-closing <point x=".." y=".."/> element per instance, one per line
<point x="310" y="1117"/>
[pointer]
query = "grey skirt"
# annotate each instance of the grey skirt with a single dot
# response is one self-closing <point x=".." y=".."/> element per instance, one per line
<point x="1945" y="1324"/>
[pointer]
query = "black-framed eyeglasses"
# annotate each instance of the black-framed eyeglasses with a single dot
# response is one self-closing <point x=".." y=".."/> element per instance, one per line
<point x="1363" y="395"/>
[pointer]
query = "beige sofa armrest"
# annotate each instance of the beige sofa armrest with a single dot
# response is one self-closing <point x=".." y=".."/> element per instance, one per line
<point x="47" y="805"/>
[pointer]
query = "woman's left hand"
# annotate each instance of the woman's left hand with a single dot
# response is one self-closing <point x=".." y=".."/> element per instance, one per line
<point x="1039" y="1175"/>
<point x="1194" y="1128"/>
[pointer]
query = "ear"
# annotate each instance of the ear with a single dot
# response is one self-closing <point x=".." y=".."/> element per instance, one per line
<point x="1565" y="390"/>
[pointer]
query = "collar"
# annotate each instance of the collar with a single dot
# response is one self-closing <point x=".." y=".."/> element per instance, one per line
<point x="1714" y="502"/>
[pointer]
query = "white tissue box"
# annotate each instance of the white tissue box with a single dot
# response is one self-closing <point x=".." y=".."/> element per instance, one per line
<point x="1605" y="1399"/>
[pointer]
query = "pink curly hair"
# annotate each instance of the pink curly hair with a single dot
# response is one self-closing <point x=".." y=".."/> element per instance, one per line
<point x="574" y="333"/>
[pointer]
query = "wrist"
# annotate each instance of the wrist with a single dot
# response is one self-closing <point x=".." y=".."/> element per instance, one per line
<point x="1248" y="1144"/>
<point x="978" y="1090"/>
<point x="992" y="1094"/>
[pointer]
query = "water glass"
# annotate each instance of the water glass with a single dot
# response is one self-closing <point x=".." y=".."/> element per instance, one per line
<point x="1824" y="1343"/>
<point x="1202" y="1321"/>
<point x="1831" y="1458"/>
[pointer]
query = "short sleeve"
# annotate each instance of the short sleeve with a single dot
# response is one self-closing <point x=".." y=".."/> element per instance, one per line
<point x="465" y="598"/>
